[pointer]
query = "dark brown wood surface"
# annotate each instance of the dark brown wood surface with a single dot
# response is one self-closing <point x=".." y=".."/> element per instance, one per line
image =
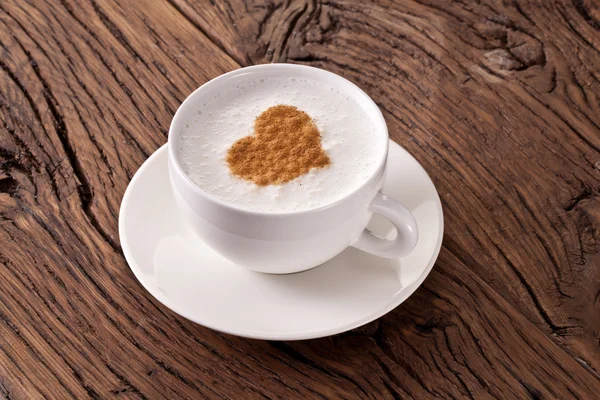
<point x="499" y="101"/>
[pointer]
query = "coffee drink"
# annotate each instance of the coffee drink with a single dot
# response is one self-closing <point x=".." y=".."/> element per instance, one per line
<point x="347" y="155"/>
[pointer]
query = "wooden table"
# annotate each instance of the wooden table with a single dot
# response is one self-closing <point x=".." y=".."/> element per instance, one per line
<point x="499" y="102"/>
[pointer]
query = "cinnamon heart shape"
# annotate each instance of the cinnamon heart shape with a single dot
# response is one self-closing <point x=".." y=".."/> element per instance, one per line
<point x="286" y="144"/>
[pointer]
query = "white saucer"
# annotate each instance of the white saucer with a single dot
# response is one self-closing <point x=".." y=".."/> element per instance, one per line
<point x="348" y="291"/>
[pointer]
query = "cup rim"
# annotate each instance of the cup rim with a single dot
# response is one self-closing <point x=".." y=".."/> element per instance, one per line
<point x="174" y="161"/>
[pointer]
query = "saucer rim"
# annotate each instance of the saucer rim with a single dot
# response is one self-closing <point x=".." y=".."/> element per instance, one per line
<point x="395" y="301"/>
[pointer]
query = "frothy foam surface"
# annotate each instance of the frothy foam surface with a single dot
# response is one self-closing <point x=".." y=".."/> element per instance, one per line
<point x="347" y="135"/>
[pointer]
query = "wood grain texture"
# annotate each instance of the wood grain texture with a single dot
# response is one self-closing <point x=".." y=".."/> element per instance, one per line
<point x="498" y="101"/>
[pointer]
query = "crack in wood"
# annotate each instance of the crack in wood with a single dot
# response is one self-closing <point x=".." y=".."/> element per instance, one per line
<point x="581" y="9"/>
<point x="585" y="194"/>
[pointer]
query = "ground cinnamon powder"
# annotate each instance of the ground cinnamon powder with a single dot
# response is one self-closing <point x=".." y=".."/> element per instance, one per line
<point x="286" y="144"/>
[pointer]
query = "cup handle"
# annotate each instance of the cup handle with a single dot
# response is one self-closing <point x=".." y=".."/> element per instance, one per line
<point x="405" y="224"/>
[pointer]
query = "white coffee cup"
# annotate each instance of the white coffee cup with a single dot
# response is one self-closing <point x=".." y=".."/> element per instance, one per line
<point x="289" y="242"/>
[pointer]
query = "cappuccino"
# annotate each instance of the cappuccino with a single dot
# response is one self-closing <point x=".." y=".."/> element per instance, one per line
<point x="348" y="139"/>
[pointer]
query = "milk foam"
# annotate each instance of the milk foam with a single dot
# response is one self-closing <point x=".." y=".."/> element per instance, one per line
<point x="347" y="134"/>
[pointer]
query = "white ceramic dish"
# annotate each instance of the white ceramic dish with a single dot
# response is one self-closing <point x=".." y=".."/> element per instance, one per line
<point x="350" y="290"/>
